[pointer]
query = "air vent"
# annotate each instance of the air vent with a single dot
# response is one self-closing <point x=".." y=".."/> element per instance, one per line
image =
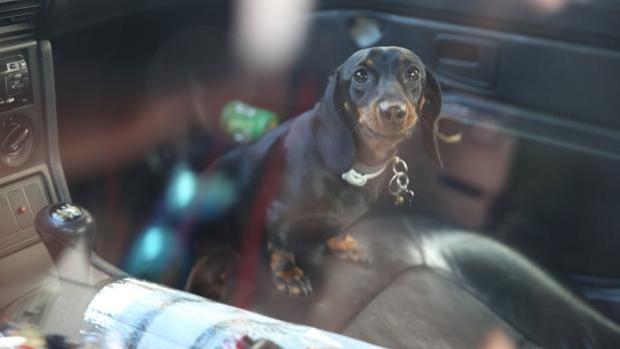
<point x="17" y="17"/>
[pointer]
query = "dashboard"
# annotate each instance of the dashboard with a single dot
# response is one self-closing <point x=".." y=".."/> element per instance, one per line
<point x="30" y="173"/>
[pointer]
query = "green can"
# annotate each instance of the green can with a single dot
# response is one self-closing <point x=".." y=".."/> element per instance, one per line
<point x="245" y="122"/>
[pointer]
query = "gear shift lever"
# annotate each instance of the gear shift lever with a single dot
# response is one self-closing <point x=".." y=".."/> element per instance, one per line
<point x="68" y="233"/>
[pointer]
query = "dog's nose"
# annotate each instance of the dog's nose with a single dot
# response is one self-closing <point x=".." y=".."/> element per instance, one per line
<point x="392" y="110"/>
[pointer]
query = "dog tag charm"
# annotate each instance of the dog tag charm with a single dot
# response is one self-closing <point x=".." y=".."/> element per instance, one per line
<point x="404" y="197"/>
<point x="399" y="183"/>
<point x="399" y="200"/>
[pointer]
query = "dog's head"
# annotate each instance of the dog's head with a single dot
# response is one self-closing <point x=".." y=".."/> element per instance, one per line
<point x="375" y="100"/>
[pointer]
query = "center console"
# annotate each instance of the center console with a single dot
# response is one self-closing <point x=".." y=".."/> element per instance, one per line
<point x="31" y="176"/>
<point x="28" y="145"/>
<point x="30" y="173"/>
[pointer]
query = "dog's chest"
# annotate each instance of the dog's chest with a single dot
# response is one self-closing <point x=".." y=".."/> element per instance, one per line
<point x="352" y="202"/>
<point x="343" y="203"/>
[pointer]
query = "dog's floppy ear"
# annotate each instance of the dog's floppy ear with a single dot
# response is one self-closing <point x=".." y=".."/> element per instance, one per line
<point x="429" y="114"/>
<point x="331" y="128"/>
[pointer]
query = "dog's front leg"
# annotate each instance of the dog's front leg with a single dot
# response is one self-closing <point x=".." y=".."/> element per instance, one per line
<point x="286" y="275"/>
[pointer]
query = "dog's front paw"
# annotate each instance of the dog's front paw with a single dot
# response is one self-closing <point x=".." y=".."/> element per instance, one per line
<point x="292" y="281"/>
<point x="347" y="248"/>
<point x="287" y="277"/>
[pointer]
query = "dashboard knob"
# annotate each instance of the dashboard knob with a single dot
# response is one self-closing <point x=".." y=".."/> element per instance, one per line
<point x="16" y="140"/>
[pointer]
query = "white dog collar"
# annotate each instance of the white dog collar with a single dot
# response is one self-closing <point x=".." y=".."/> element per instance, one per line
<point x="358" y="179"/>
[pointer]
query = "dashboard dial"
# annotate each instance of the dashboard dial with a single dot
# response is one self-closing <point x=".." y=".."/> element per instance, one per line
<point x="16" y="140"/>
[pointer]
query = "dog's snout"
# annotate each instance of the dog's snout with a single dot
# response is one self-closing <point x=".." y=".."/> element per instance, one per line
<point x="394" y="111"/>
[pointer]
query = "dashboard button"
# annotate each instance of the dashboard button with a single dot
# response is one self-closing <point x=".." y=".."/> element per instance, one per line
<point x="17" y="200"/>
<point x="35" y="197"/>
<point x="7" y="222"/>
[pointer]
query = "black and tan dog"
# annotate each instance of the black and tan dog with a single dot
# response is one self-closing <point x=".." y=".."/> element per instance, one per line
<point x="298" y="171"/>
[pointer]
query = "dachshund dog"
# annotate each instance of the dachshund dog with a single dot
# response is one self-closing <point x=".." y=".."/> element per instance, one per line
<point x="373" y="101"/>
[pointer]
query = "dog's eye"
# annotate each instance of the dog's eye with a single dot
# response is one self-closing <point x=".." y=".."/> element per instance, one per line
<point x="360" y="75"/>
<point x="412" y="74"/>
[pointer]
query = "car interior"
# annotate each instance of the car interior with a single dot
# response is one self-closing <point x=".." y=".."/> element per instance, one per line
<point x="112" y="111"/>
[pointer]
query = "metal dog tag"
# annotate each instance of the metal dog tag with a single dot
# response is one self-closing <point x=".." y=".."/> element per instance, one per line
<point x="399" y="183"/>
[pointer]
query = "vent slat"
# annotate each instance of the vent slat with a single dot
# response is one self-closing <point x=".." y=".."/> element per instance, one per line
<point x="15" y="12"/>
<point x="19" y="15"/>
<point x="19" y="6"/>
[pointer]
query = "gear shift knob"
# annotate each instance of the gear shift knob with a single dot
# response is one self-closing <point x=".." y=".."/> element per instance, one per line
<point x="68" y="233"/>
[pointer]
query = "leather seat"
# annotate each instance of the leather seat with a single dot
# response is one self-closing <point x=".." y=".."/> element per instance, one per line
<point x="427" y="286"/>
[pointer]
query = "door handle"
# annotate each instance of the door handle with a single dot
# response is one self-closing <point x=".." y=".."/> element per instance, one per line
<point x="467" y="61"/>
